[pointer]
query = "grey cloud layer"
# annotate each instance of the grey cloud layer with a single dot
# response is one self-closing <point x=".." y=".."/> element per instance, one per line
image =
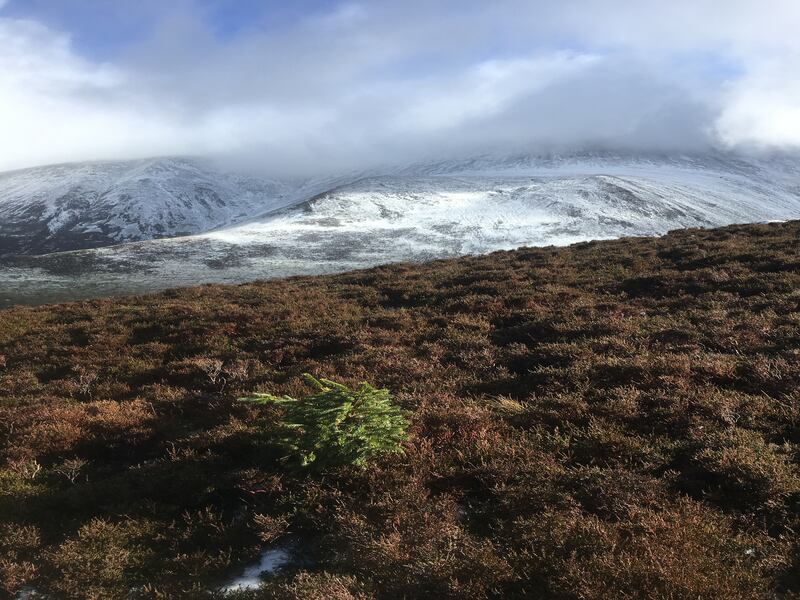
<point x="386" y="81"/>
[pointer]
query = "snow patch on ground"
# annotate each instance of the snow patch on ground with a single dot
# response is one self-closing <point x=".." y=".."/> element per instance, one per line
<point x="29" y="594"/>
<point x="272" y="560"/>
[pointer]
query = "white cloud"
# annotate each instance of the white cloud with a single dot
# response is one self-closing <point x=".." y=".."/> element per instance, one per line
<point x="384" y="81"/>
<point x="483" y="91"/>
<point x="763" y="107"/>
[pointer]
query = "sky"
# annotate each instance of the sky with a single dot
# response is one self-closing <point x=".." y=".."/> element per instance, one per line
<point x="322" y="85"/>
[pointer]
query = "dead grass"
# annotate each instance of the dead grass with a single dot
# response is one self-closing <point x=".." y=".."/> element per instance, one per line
<point x="609" y="420"/>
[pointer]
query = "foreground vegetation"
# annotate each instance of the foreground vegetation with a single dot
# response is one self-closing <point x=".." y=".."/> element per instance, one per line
<point x="611" y="420"/>
<point x="336" y="426"/>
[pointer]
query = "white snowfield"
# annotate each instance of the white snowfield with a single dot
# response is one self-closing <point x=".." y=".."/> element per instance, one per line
<point x="427" y="211"/>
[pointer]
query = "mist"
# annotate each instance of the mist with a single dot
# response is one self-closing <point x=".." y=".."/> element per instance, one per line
<point x="351" y="85"/>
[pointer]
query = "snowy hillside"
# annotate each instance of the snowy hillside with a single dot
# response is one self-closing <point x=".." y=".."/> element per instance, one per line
<point x="488" y="204"/>
<point x="454" y="206"/>
<point x="423" y="212"/>
<point x="87" y="205"/>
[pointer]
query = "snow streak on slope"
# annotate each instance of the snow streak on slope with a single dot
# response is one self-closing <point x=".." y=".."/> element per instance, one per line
<point x="432" y="211"/>
<point x="65" y="207"/>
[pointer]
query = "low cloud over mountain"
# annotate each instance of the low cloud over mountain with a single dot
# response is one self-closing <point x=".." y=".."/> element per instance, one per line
<point x="332" y="85"/>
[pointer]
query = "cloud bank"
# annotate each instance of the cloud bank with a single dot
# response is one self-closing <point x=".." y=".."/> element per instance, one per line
<point x="354" y="84"/>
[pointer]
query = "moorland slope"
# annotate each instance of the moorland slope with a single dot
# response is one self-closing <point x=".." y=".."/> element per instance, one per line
<point x="616" y="419"/>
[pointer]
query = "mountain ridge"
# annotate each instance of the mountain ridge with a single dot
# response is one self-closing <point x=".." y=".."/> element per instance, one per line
<point x="88" y="205"/>
<point x="364" y="219"/>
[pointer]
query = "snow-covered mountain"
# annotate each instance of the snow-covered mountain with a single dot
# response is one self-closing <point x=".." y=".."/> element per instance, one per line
<point x="88" y="205"/>
<point x="485" y="204"/>
<point x="427" y="211"/>
<point x="462" y="205"/>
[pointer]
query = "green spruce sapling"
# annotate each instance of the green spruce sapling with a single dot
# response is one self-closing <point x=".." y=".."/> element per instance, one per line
<point x="337" y="425"/>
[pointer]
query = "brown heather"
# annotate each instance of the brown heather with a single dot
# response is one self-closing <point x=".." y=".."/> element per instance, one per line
<point x="610" y="420"/>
